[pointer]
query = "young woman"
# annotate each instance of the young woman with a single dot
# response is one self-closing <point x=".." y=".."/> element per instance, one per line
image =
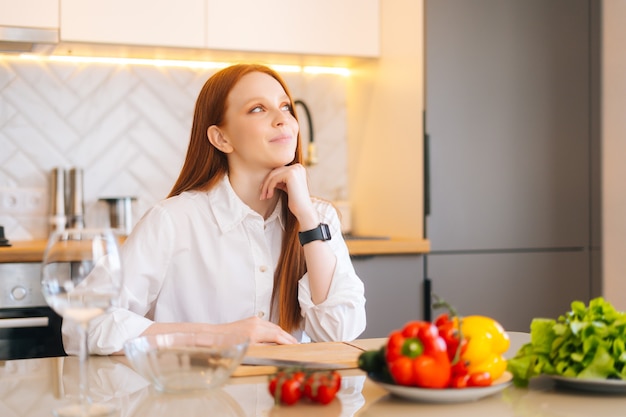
<point x="239" y="245"/>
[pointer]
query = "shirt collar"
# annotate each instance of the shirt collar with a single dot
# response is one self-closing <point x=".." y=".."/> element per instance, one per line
<point x="230" y="211"/>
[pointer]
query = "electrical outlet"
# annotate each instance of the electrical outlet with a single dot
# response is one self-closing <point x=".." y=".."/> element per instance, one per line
<point x="23" y="201"/>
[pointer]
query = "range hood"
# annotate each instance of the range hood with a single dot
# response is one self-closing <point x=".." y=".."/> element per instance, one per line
<point x="27" y="40"/>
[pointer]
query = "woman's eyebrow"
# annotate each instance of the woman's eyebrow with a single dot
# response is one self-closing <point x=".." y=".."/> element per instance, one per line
<point x="262" y="98"/>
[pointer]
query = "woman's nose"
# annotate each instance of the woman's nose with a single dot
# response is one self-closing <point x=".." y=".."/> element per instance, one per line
<point x="281" y="117"/>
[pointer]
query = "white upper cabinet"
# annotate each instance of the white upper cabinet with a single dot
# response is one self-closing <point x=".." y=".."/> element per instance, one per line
<point x="166" y="23"/>
<point x="311" y="27"/>
<point x="317" y="27"/>
<point x="40" y="14"/>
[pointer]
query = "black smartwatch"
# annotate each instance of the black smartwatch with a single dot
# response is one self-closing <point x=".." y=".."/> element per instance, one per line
<point x="321" y="232"/>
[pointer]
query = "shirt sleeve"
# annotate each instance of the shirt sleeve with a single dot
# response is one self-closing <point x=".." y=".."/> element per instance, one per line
<point x="341" y="317"/>
<point x="145" y="256"/>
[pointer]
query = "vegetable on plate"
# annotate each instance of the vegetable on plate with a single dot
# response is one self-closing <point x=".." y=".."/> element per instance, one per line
<point x="451" y="352"/>
<point x="587" y="342"/>
<point x="487" y="343"/>
<point x="418" y="356"/>
<point x="476" y="350"/>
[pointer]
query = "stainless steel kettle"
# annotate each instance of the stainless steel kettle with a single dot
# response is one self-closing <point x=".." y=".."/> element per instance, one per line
<point x="120" y="213"/>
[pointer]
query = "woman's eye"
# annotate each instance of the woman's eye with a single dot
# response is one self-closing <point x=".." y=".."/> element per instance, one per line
<point x="286" y="107"/>
<point x="256" y="109"/>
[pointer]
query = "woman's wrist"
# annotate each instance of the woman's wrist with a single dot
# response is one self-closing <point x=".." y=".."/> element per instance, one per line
<point x="308" y="222"/>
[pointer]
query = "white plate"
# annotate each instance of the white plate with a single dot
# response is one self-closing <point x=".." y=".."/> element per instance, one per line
<point x="447" y="395"/>
<point x="611" y="386"/>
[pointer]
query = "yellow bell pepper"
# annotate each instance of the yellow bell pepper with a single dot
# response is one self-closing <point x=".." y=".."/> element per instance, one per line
<point x="487" y="341"/>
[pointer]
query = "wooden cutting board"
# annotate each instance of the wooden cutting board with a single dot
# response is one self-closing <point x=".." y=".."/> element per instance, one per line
<point x="323" y="352"/>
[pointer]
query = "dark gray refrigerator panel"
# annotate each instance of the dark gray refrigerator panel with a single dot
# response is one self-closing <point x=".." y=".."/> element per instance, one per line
<point x="507" y="112"/>
<point x="512" y="156"/>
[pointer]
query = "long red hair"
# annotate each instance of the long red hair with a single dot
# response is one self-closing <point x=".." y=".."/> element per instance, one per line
<point x="205" y="166"/>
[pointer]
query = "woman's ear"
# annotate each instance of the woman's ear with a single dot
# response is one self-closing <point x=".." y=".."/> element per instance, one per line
<point x="218" y="139"/>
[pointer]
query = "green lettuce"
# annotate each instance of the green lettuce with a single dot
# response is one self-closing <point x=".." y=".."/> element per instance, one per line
<point x="586" y="342"/>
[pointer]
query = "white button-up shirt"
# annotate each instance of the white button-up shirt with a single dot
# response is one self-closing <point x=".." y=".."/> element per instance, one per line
<point x="207" y="257"/>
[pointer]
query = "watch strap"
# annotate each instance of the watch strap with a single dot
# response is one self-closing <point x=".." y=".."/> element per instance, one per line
<point x="321" y="232"/>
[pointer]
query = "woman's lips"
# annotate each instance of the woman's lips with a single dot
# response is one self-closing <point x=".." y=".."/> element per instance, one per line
<point x="281" y="139"/>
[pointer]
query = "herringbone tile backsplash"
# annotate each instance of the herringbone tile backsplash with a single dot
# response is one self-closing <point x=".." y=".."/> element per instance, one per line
<point x="127" y="127"/>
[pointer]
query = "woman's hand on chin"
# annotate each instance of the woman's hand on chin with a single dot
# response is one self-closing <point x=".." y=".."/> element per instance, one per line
<point x="292" y="179"/>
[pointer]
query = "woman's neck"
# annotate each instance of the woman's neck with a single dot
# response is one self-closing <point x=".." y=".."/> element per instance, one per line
<point x="248" y="189"/>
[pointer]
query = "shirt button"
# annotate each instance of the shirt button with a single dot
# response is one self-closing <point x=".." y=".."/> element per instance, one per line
<point x="260" y="314"/>
<point x="263" y="268"/>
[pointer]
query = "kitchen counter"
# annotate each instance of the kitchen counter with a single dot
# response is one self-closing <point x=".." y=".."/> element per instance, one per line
<point x="23" y="251"/>
<point x="392" y="246"/>
<point x="32" y="250"/>
<point x="52" y="380"/>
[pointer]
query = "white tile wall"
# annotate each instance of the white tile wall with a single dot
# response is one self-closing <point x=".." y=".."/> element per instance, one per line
<point x="128" y="128"/>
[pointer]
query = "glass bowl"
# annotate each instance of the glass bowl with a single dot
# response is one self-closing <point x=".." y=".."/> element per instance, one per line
<point x="183" y="362"/>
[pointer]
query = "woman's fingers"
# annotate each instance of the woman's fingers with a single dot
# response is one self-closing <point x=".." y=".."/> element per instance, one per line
<point x="262" y="331"/>
<point x="290" y="178"/>
<point x="270" y="332"/>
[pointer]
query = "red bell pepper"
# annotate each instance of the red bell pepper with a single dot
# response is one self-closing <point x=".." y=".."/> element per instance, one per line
<point x="418" y="356"/>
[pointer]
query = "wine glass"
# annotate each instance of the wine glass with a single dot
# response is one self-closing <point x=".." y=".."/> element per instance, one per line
<point x="81" y="280"/>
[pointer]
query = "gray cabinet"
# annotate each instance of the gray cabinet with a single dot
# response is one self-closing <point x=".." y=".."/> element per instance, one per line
<point x="393" y="291"/>
<point x="509" y="112"/>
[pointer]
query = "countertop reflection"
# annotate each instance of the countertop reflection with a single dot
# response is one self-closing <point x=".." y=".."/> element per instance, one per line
<point x="54" y="382"/>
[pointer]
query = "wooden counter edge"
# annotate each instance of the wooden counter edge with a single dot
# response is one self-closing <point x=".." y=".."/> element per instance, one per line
<point x="32" y="250"/>
<point x="23" y="251"/>
<point x="388" y="246"/>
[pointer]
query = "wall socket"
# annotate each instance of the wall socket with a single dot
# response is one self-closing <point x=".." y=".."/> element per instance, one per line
<point x="23" y="201"/>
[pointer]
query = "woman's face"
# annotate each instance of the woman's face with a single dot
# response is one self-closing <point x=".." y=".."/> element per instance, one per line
<point x="258" y="127"/>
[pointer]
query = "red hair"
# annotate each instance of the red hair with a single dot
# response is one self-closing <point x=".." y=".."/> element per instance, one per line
<point x="205" y="166"/>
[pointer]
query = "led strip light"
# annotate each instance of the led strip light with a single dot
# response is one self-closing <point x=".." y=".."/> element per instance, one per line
<point x="174" y="63"/>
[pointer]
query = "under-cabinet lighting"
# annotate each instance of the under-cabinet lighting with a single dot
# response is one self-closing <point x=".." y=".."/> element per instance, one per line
<point x="140" y="61"/>
<point x="174" y="63"/>
<point x="286" y="68"/>
<point x="327" y="70"/>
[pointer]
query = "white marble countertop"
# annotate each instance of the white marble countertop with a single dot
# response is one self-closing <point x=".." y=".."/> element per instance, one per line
<point x="33" y="387"/>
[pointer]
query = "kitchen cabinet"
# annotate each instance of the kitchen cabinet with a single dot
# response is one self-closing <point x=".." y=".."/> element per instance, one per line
<point x="513" y="220"/>
<point x="322" y="27"/>
<point x="393" y="291"/>
<point x="40" y="14"/>
<point x="325" y="27"/>
<point x="135" y="22"/>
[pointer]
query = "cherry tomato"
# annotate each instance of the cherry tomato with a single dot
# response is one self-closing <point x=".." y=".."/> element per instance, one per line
<point x="336" y="377"/>
<point x="442" y="319"/>
<point x="459" y="381"/>
<point x="274" y="382"/>
<point x="272" y="386"/>
<point x="290" y="392"/>
<point x="322" y="387"/>
<point x="479" y="379"/>
<point x="286" y="387"/>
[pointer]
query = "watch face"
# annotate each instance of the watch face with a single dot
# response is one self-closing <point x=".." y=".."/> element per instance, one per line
<point x="325" y="231"/>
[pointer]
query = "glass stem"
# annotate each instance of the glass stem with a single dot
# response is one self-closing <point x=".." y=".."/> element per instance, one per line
<point x="85" y="401"/>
